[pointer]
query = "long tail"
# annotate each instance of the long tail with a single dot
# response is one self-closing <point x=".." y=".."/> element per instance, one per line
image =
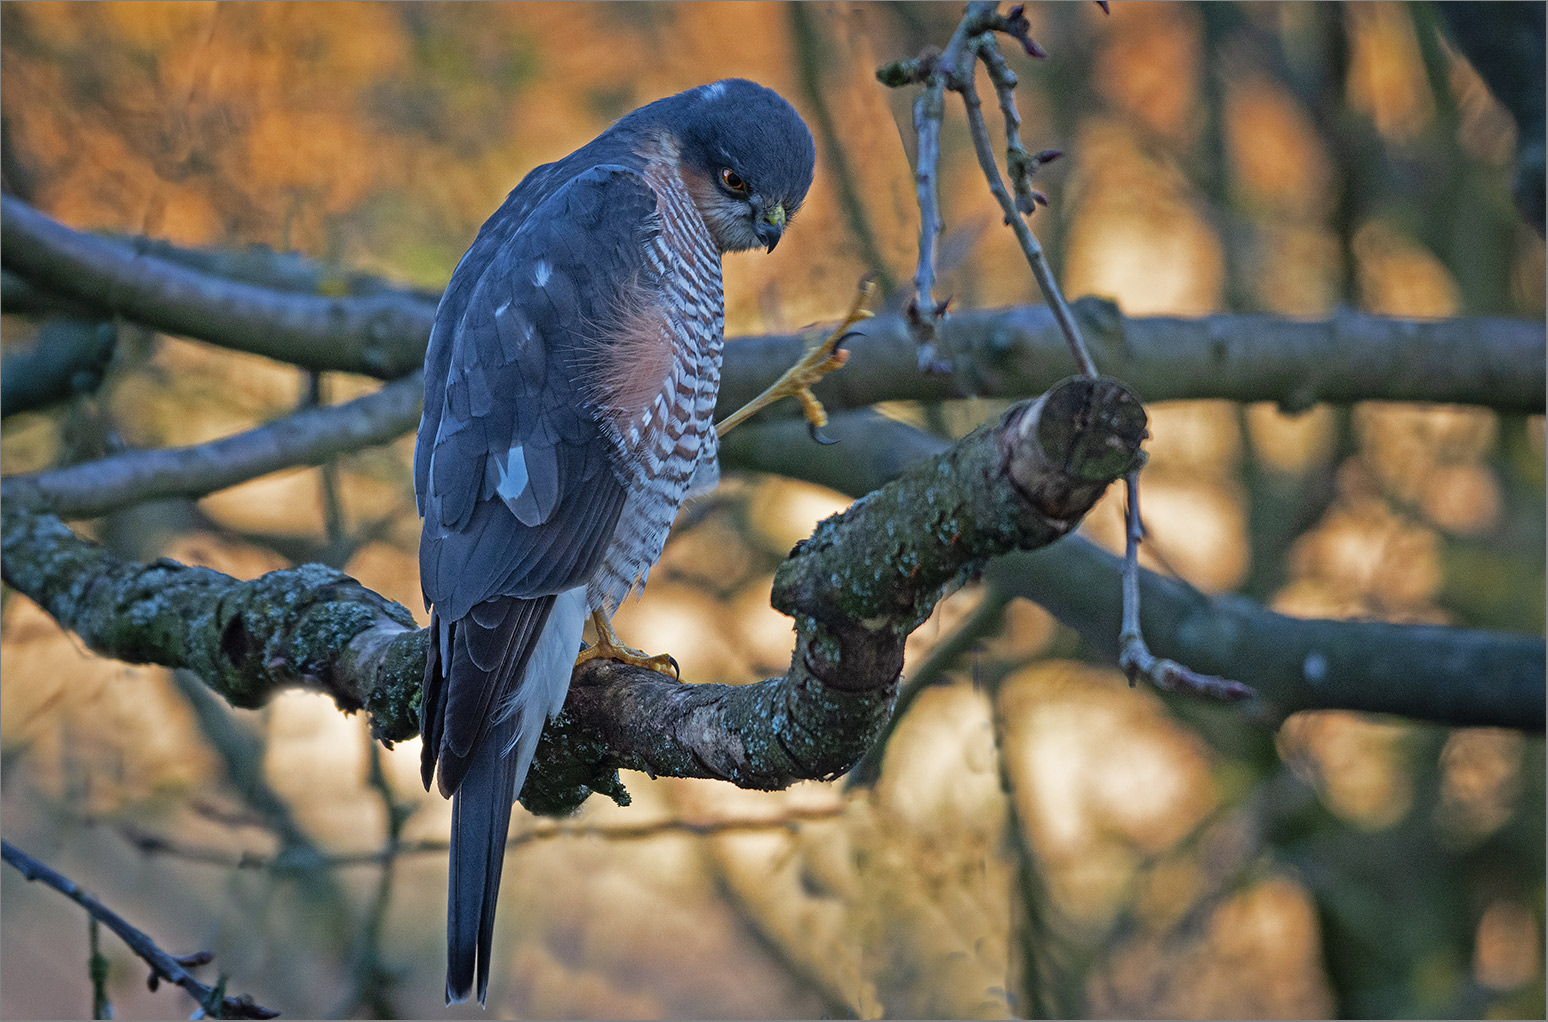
<point x="496" y="768"/>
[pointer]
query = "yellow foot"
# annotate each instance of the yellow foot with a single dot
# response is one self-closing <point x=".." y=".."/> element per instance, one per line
<point x="819" y="360"/>
<point x="609" y="647"/>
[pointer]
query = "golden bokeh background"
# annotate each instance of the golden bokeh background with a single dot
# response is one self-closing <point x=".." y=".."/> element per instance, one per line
<point x="1042" y="838"/>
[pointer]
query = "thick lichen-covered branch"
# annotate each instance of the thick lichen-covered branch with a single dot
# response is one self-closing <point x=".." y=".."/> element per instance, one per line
<point x="1455" y="676"/>
<point x="856" y="589"/>
<point x="310" y="627"/>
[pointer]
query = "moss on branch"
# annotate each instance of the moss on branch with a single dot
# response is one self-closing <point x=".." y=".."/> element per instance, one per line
<point x="856" y="589"/>
<point x="310" y="627"/>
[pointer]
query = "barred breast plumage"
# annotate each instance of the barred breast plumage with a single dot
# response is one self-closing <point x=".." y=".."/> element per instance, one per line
<point x="669" y="447"/>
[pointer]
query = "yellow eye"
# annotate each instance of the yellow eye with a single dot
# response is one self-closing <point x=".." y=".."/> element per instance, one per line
<point x="733" y="181"/>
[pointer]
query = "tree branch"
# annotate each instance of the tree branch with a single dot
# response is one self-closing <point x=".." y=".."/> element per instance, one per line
<point x="1461" y="677"/>
<point x="307" y="627"/>
<point x="1017" y="352"/>
<point x="172" y="968"/>
<point x="1454" y="676"/>
<point x="1494" y="362"/>
<point x="1488" y="361"/>
<point x="67" y="357"/>
<point x="308" y="437"/>
<point x="856" y="589"/>
<point x="382" y="335"/>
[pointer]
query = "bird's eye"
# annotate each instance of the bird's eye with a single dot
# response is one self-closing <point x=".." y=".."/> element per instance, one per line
<point x="733" y="181"/>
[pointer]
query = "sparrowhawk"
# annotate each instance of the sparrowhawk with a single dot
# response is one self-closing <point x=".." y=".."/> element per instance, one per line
<point x="569" y="386"/>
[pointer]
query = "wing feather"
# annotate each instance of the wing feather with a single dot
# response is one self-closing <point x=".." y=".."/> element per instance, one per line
<point x="514" y="472"/>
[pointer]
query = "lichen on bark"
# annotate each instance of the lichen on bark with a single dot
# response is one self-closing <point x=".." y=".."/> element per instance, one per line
<point x="855" y="590"/>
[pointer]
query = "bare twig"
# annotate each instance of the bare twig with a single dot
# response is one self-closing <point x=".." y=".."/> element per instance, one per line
<point x="923" y="312"/>
<point x="952" y="68"/>
<point x="1029" y="243"/>
<point x="372" y="981"/>
<point x="1134" y="657"/>
<point x="935" y="70"/>
<point x="97" y="967"/>
<point x="164" y="966"/>
<point x="1019" y="164"/>
<point x="1038" y="977"/>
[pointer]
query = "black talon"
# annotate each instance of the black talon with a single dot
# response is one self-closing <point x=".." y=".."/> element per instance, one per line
<point x="838" y="345"/>
<point x="818" y="435"/>
<point x="677" y="672"/>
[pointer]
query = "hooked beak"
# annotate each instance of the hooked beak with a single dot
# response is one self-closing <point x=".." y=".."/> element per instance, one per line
<point x="770" y="227"/>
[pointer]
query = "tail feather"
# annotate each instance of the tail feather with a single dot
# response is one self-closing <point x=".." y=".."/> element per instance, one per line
<point x="481" y="817"/>
<point x="481" y="806"/>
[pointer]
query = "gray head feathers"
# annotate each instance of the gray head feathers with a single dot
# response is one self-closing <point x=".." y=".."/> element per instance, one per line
<point x="742" y="126"/>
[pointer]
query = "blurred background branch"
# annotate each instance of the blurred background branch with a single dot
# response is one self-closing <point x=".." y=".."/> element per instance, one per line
<point x="172" y="968"/>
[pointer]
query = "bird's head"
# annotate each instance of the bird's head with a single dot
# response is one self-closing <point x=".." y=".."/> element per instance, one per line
<point x="747" y="157"/>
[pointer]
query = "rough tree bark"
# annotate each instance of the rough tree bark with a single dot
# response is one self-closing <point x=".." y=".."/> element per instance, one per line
<point x="1452" y="676"/>
<point x="856" y="589"/>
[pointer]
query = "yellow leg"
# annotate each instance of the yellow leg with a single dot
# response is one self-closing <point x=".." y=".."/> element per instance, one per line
<point x="609" y="647"/>
<point x="819" y="360"/>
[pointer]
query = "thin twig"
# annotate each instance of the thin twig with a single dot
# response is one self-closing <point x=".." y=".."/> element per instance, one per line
<point x="1134" y="657"/>
<point x="1019" y="164"/>
<point x="1030" y="248"/>
<point x="953" y="68"/>
<point x="171" y="968"/>
<point x="97" y="968"/>
<point x="1038" y="975"/>
<point x="935" y="71"/>
<point x="373" y="980"/>
<point x="923" y="312"/>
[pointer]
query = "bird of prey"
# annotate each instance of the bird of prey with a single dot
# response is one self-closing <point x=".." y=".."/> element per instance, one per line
<point x="569" y="386"/>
